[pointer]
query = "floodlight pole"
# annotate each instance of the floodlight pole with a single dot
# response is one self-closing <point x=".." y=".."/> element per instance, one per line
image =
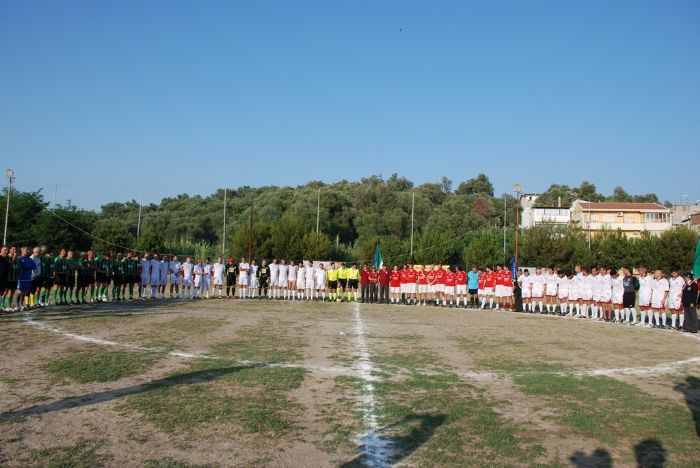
<point x="517" y="188"/>
<point x="138" y="224"/>
<point x="10" y="178"/>
<point x="223" y="236"/>
<point x="318" y="211"/>
<point x="413" y="208"/>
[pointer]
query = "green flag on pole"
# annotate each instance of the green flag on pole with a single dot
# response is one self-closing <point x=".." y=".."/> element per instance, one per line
<point x="378" y="260"/>
<point x="696" y="264"/>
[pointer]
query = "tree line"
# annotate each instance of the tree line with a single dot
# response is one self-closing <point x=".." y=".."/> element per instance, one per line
<point x="452" y="225"/>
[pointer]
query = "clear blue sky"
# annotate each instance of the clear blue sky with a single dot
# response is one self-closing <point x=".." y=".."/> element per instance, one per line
<point x="185" y="96"/>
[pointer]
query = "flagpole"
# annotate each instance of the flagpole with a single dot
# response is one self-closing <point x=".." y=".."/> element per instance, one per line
<point x="223" y="237"/>
<point x="413" y="207"/>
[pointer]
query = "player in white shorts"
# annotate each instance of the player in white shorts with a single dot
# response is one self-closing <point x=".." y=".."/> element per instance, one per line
<point x="585" y="292"/>
<point x="605" y="294"/>
<point x="320" y="281"/>
<point x="574" y="293"/>
<point x="198" y="273"/>
<point x="187" y="270"/>
<point x="243" y="272"/>
<point x="595" y="280"/>
<point x="309" y="281"/>
<point x="292" y="280"/>
<point x="539" y="283"/>
<point x="274" y="279"/>
<point x="283" y="282"/>
<point x="675" y="294"/>
<point x="175" y="277"/>
<point x="644" y="298"/>
<point x="253" y="279"/>
<point x="145" y="269"/>
<point x="617" y="294"/>
<point x="217" y="277"/>
<point x="301" y="282"/>
<point x="164" y="269"/>
<point x="550" y="291"/>
<point x="525" y="281"/>
<point x="155" y="276"/>
<point x="659" y="294"/>
<point x="563" y="286"/>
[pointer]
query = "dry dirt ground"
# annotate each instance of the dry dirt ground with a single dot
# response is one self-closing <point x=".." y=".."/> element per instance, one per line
<point x="230" y="383"/>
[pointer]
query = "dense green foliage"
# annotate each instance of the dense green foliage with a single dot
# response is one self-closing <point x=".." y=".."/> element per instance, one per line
<point x="464" y="225"/>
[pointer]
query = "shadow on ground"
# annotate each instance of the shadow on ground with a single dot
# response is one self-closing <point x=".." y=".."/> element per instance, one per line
<point x="378" y="449"/>
<point x="691" y="392"/>
<point x="185" y="378"/>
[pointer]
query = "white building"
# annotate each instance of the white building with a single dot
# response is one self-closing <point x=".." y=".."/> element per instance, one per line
<point x="537" y="215"/>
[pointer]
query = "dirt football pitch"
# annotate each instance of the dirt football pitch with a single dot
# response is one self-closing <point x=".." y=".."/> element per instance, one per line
<point x="258" y="383"/>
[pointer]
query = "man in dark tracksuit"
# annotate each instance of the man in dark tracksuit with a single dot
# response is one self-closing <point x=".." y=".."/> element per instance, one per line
<point x="690" y="304"/>
<point x="630" y="285"/>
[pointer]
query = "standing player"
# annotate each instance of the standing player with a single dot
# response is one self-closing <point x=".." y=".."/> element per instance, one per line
<point x="292" y="280"/>
<point x="539" y="283"/>
<point x="283" y="283"/>
<point x="301" y="281"/>
<point x="175" y="277"/>
<point x="342" y="281"/>
<point x="253" y="279"/>
<point x="617" y="296"/>
<point x="198" y="274"/>
<point x="450" y="283"/>
<point x="563" y="287"/>
<point x="145" y="270"/>
<point x="320" y="281"/>
<point x="218" y="276"/>
<point x="675" y="296"/>
<point x="263" y="279"/>
<point x="631" y="285"/>
<point x="489" y="286"/>
<point x="606" y="293"/>
<point x="274" y="279"/>
<point x="498" y="286"/>
<point x="131" y="266"/>
<point x="551" y="283"/>
<point x="231" y="275"/>
<point x="155" y="276"/>
<point x="461" y="286"/>
<point x="645" y="281"/>
<point x="332" y="277"/>
<point x="440" y="282"/>
<point x="243" y="268"/>
<point x="507" y="288"/>
<point x="309" y="281"/>
<point x="395" y="285"/>
<point x="422" y="286"/>
<point x="473" y="285"/>
<point x="659" y="295"/>
<point x="585" y="292"/>
<point x="353" y="281"/>
<point x="187" y="272"/>
<point x="526" y="290"/>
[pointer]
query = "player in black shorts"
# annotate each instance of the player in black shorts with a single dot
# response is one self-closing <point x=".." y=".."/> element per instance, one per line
<point x="231" y="275"/>
<point x="71" y="270"/>
<point x="131" y="274"/>
<point x="59" y="278"/>
<point x="83" y="278"/>
<point x="118" y="277"/>
<point x="46" y="262"/>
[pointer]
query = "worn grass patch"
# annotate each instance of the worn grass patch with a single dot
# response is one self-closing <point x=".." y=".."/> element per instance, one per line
<point x="82" y="454"/>
<point x="343" y="417"/>
<point x="99" y="365"/>
<point x="262" y="343"/>
<point x="441" y="420"/>
<point x="615" y="412"/>
<point x="254" y="398"/>
<point x="170" y="463"/>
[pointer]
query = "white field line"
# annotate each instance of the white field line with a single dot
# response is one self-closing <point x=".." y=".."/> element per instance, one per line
<point x="364" y="368"/>
<point x="180" y="354"/>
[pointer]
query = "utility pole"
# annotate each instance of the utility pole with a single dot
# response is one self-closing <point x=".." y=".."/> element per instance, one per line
<point x="413" y="209"/>
<point x="10" y="178"/>
<point x="55" y="195"/>
<point x="250" y="231"/>
<point x="318" y="211"/>
<point x="505" y="204"/>
<point x="517" y="188"/>
<point x="223" y="236"/>
<point x="138" y="224"/>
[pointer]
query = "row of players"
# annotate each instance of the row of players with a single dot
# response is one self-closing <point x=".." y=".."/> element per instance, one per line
<point x="597" y="295"/>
